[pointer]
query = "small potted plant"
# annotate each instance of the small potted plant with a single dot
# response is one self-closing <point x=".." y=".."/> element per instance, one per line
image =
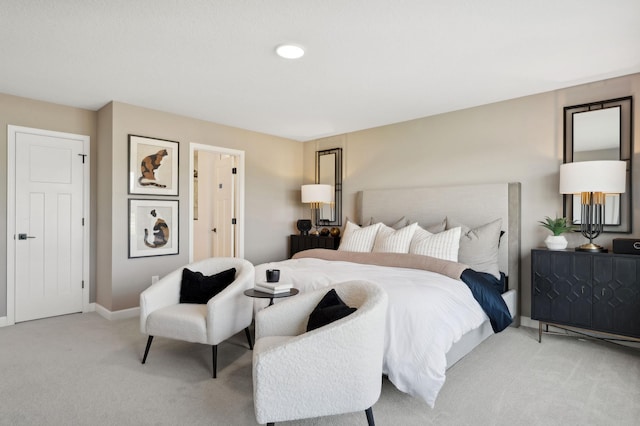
<point x="557" y="226"/>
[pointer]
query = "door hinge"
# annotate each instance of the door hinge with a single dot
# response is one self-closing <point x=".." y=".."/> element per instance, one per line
<point x="83" y="221"/>
<point x="234" y="171"/>
<point x="233" y="221"/>
<point x="82" y="155"/>
<point x="82" y="283"/>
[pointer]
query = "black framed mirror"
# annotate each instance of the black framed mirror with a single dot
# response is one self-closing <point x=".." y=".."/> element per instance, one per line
<point x="601" y="131"/>
<point x="329" y="172"/>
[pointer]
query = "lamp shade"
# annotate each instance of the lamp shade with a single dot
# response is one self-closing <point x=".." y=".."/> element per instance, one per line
<point x="608" y="177"/>
<point x="316" y="193"/>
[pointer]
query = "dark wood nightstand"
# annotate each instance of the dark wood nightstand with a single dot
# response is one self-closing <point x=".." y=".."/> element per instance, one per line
<point x="305" y="242"/>
<point x="590" y="291"/>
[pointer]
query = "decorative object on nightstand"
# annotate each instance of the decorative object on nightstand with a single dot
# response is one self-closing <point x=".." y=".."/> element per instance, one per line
<point x="315" y="195"/>
<point x="626" y="246"/>
<point x="335" y="231"/>
<point x="304" y="226"/>
<point x="593" y="180"/>
<point x="557" y="226"/>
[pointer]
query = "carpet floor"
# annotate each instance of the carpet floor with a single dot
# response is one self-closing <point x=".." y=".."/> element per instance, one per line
<point x="84" y="370"/>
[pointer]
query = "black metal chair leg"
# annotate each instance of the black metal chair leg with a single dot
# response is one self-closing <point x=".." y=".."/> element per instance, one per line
<point x="369" y="412"/>
<point x="248" y="334"/>
<point x="215" y="360"/>
<point x="146" y="351"/>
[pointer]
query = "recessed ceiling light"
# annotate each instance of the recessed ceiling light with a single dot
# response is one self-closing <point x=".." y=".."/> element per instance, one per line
<point x="289" y="51"/>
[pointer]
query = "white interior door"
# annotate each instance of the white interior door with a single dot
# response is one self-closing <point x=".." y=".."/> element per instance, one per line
<point x="228" y="238"/>
<point x="49" y="239"/>
<point x="203" y="193"/>
<point x="223" y="207"/>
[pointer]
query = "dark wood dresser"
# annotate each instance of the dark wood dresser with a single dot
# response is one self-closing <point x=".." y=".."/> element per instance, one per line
<point x="590" y="291"/>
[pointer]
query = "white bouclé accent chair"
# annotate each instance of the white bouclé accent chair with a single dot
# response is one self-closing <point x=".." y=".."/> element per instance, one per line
<point x="333" y="369"/>
<point x="226" y="313"/>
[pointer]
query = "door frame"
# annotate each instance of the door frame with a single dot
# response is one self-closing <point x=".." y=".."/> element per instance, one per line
<point x="239" y="192"/>
<point x="11" y="209"/>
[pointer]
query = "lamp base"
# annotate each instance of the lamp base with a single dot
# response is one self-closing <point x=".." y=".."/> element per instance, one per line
<point x="594" y="248"/>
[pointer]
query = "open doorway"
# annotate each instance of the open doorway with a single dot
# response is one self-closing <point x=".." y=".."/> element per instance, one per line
<point x="216" y="220"/>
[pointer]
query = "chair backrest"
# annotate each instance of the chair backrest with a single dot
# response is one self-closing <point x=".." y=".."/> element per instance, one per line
<point x="339" y="364"/>
<point x="214" y="265"/>
<point x="361" y="294"/>
<point x="166" y="291"/>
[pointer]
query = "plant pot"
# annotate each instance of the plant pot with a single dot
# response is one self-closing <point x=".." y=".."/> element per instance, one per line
<point x="556" y="242"/>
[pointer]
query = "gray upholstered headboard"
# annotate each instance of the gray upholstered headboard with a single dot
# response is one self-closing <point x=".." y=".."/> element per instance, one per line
<point x="472" y="205"/>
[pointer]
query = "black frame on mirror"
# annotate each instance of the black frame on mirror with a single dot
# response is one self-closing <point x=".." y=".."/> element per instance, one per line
<point x="626" y="152"/>
<point x="337" y="184"/>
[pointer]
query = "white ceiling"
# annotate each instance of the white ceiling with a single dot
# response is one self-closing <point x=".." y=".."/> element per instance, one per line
<point x="368" y="62"/>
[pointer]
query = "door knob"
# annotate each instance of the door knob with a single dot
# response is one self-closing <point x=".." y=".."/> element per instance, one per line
<point x="215" y="229"/>
<point x="24" y="236"/>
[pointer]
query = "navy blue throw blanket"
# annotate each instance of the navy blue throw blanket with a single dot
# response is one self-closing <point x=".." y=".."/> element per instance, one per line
<point x="489" y="298"/>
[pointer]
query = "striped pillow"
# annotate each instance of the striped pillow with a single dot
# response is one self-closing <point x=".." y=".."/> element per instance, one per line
<point x="358" y="239"/>
<point x="443" y="245"/>
<point x="388" y="240"/>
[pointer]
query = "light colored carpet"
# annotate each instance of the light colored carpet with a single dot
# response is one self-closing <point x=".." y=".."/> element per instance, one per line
<point x="84" y="370"/>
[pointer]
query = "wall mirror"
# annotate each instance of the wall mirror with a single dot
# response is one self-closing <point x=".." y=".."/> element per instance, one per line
<point x="601" y="131"/>
<point x="329" y="172"/>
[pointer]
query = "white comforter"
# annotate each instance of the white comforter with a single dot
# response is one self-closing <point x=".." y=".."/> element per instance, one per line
<point x="428" y="312"/>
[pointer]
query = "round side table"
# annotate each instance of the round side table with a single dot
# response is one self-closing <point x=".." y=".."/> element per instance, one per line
<point x="252" y="292"/>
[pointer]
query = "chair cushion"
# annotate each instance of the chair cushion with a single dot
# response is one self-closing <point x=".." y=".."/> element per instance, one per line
<point x="331" y="308"/>
<point x="199" y="288"/>
<point x="185" y="321"/>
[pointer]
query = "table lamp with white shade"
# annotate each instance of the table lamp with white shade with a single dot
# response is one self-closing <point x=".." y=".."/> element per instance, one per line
<point x="315" y="195"/>
<point x="592" y="180"/>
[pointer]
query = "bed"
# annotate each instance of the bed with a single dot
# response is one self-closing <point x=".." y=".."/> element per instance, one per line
<point x="433" y="319"/>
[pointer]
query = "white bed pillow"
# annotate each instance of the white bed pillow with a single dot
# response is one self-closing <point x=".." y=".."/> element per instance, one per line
<point x="347" y="220"/>
<point x="359" y="239"/>
<point x="443" y="245"/>
<point x="390" y="240"/>
<point x="479" y="246"/>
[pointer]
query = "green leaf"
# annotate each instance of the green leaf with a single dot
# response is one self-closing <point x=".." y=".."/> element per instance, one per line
<point x="558" y="226"/>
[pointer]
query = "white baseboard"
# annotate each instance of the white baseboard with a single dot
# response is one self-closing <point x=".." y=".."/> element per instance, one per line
<point x="101" y="310"/>
<point x="117" y="315"/>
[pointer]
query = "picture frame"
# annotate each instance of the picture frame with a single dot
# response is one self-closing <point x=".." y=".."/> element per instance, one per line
<point x="153" y="166"/>
<point x="153" y="227"/>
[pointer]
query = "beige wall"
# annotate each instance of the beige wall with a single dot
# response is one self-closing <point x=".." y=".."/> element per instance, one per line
<point x="518" y="140"/>
<point x="272" y="186"/>
<point x="104" y="189"/>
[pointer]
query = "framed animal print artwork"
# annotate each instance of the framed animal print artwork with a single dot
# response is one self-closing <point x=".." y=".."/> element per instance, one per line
<point x="153" y="227"/>
<point x="153" y="166"/>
